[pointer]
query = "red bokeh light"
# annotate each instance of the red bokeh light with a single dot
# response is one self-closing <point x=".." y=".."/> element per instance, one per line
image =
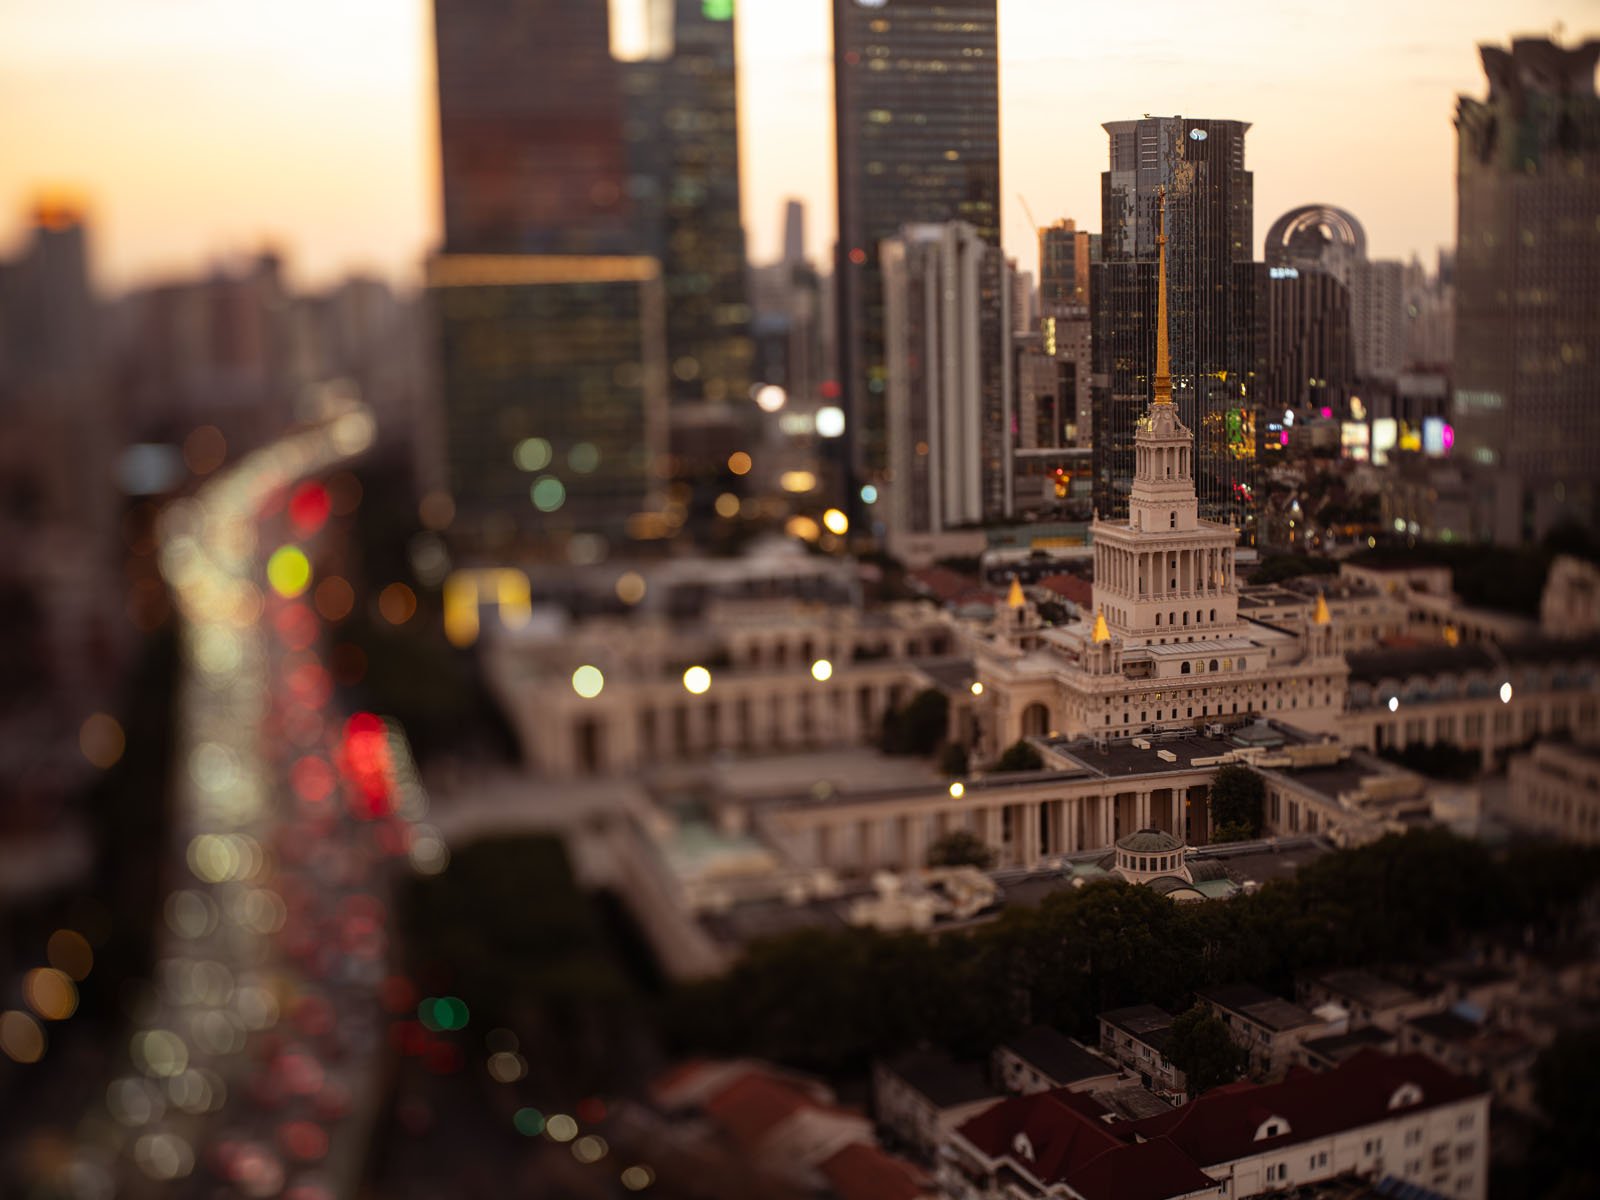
<point x="309" y="508"/>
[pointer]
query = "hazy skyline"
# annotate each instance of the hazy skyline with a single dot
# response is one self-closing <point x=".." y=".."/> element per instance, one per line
<point x="195" y="129"/>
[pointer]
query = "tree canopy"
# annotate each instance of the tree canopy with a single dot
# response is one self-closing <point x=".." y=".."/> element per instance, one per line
<point x="960" y="848"/>
<point x="1019" y="756"/>
<point x="1238" y="797"/>
<point x="919" y="726"/>
<point x="1200" y="1047"/>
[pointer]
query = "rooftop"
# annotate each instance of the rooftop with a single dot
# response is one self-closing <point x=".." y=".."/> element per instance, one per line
<point x="1340" y="1046"/>
<point x="1145" y="1022"/>
<point x="1221" y="1125"/>
<point x="1258" y="1005"/>
<point x="940" y="1078"/>
<point x="1149" y="841"/>
<point x="1058" y="1056"/>
<point x="1365" y="988"/>
<point x="863" y="1172"/>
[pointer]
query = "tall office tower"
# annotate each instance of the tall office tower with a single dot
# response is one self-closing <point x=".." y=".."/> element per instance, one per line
<point x="530" y="128"/>
<point x="1527" y="340"/>
<point x="683" y="129"/>
<point x="949" y="387"/>
<point x="917" y="124"/>
<point x="1024" y="299"/>
<point x="1320" y="237"/>
<point x="1304" y="354"/>
<point x="552" y="325"/>
<point x="1430" y="315"/>
<point x="1063" y="265"/>
<point x="1200" y="166"/>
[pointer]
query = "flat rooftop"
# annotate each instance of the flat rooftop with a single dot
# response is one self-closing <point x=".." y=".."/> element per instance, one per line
<point x="1259" y="1005"/>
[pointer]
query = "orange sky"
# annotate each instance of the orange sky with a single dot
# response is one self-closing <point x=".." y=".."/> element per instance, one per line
<point x="199" y="128"/>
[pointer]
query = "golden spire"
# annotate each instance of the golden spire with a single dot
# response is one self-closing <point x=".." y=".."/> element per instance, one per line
<point x="1101" y="633"/>
<point x="1015" y="598"/>
<point x="1322" y="616"/>
<point x="1163" y="390"/>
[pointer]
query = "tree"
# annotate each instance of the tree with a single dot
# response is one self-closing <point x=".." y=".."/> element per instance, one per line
<point x="1238" y="798"/>
<point x="1200" y="1047"/>
<point x="920" y="726"/>
<point x="961" y="848"/>
<point x="1019" y="756"/>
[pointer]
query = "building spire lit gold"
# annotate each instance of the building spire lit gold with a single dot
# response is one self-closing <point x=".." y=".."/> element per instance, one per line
<point x="1163" y="385"/>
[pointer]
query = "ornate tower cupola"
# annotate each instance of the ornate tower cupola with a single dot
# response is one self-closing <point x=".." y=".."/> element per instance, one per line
<point x="1163" y="496"/>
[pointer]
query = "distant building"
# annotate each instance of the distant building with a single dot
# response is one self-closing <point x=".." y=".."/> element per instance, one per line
<point x="949" y="386"/>
<point x="1556" y="789"/>
<point x="1199" y="165"/>
<point x="1527" y="276"/>
<point x="1137" y="1038"/>
<point x="917" y="124"/>
<point x="1267" y="1027"/>
<point x="1385" y="1119"/>
<point x="1369" y="999"/>
<point x="1063" y="267"/>
<point x="1305" y="355"/>
<point x="1040" y="1059"/>
<point x="923" y="1095"/>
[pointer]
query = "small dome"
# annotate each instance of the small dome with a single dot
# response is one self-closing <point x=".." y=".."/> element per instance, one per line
<point x="1149" y="841"/>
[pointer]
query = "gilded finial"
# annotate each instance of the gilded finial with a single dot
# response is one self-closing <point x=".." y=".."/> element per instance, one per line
<point x="1163" y="382"/>
<point x="1322" y="616"/>
<point x="1015" y="598"/>
<point x="1101" y="632"/>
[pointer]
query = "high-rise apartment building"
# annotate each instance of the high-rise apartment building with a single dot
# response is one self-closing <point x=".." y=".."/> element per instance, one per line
<point x="949" y="387"/>
<point x="1063" y="266"/>
<point x="1199" y="164"/>
<point x="1527" y="274"/>
<point x="917" y="122"/>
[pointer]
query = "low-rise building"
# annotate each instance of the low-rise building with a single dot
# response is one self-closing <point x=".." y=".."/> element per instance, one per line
<point x="1465" y="1041"/>
<point x="1368" y="998"/>
<point x="920" y="1096"/>
<point x="1325" y="1053"/>
<point x="1041" y="1059"/>
<point x="1555" y="789"/>
<point x="1137" y="1038"/>
<point x="1401" y="1121"/>
<point x="1269" y="1028"/>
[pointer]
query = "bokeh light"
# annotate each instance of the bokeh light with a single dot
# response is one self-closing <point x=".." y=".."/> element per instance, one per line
<point x="548" y="493"/>
<point x="101" y="740"/>
<point x="822" y="670"/>
<point x="630" y="587"/>
<point x="770" y="398"/>
<point x="836" y="522"/>
<point x="739" y="463"/>
<point x="830" y="421"/>
<point x="68" y="951"/>
<point x="436" y="511"/>
<point x="638" y="1177"/>
<point x="309" y="507"/>
<point x="289" y="571"/>
<point x="562" y="1128"/>
<point x="532" y="454"/>
<point x="727" y="506"/>
<point x="205" y="449"/>
<point x="397" y="603"/>
<point x="697" y="680"/>
<point x="589" y="1148"/>
<point x="588" y="681"/>
<point x="334" y="598"/>
<point x="529" y="1122"/>
<point x="584" y="457"/>
<point x="21" y="1038"/>
<point x="797" y="481"/>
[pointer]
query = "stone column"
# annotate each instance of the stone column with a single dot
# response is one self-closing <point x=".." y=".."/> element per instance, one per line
<point x="989" y="829"/>
<point x="1028" y="814"/>
<point x="914" y="839"/>
<point x="1141" y="807"/>
<point x="871" y="843"/>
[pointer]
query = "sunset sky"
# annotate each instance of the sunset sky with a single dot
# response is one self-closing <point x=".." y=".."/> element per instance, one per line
<point x="195" y="129"/>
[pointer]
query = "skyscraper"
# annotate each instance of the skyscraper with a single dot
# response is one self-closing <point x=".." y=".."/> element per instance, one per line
<point x="917" y="123"/>
<point x="1063" y="266"/>
<point x="1527" y="343"/>
<point x="1200" y="166"/>
<point x="683" y="132"/>
<point x="947" y="325"/>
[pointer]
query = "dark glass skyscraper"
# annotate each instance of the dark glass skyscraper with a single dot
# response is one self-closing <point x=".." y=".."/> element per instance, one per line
<point x="917" y="112"/>
<point x="683" y="131"/>
<point x="530" y="128"/>
<point x="1527" y="337"/>
<point x="1200" y="164"/>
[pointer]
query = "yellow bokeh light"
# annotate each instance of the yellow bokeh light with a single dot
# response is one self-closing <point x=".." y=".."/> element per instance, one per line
<point x="21" y="1038"/>
<point x="102" y="741"/>
<point x="68" y="951"/>
<point x="797" y="481"/>
<point x="739" y="462"/>
<point x="822" y="670"/>
<point x="977" y="689"/>
<point x="397" y="603"/>
<point x="836" y="521"/>
<point x="803" y="528"/>
<point x="50" y="993"/>
<point x="630" y="587"/>
<point x="697" y="680"/>
<point x="289" y="571"/>
<point x="588" y="682"/>
<point x="727" y="506"/>
<point x="958" y="789"/>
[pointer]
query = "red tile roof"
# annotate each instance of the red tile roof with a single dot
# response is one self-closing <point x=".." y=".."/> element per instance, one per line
<point x="950" y="587"/>
<point x="862" y="1172"/>
<point x="754" y="1105"/>
<point x="1079" y="591"/>
<point x="1155" y="1170"/>
<point x="1062" y="1137"/>
<point x="1221" y="1125"/>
